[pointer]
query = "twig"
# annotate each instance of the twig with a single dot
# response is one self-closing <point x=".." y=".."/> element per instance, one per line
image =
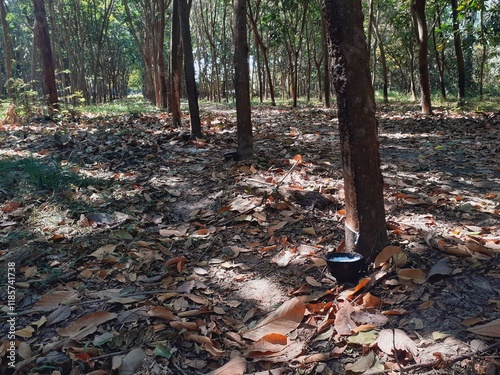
<point x="88" y="302"/>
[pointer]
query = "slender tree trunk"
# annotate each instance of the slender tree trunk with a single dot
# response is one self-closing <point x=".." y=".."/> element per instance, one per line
<point x="7" y="45"/>
<point x="241" y="81"/>
<point x="383" y="62"/>
<point x="194" y="111"/>
<point x="43" y="41"/>
<point x="175" y="66"/>
<point x="365" y="226"/>
<point x="418" y="13"/>
<point x="326" y="62"/>
<point x="458" y="51"/>
<point x="440" y="63"/>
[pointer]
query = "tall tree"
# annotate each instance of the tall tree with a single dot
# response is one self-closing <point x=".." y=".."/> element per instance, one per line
<point x="175" y="65"/>
<point x="418" y="13"/>
<point x="457" y="41"/>
<point x="242" y="81"/>
<point x="253" y="18"/>
<point x="7" y="45"/>
<point x="43" y="40"/>
<point x="192" y="91"/>
<point x="365" y="226"/>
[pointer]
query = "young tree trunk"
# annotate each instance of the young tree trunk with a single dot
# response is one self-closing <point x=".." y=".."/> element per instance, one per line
<point x="175" y="66"/>
<point x="458" y="51"/>
<point x="7" y="45"/>
<point x="326" y="62"/>
<point x="242" y="81"/>
<point x="418" y="13"/>
<point x="439" y="50"/>
<point x="43" y="40"/>
<point x="383" y="61"/>
<point x="194" y="111"/>
<point x="365" y="225"/>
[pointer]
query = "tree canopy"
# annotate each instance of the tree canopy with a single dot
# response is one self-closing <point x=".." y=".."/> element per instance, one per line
<point x="104" y="49"/>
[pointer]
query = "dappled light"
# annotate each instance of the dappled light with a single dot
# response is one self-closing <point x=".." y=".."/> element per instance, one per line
<point x="128" y="237"/>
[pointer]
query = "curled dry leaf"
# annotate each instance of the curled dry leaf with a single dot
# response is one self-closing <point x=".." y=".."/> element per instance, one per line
<point x="267" y="345"/>
<point x="283" y="320"/>
<point x="177" y="262"/>
<point x="343" y="321"/>
<point x="390" y="339"/>
<point x="386" y="254"/>
<point x="441" y="268"/>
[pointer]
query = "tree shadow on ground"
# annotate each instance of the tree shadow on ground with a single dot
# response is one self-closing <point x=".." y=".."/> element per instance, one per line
<point x="220" y="244"/>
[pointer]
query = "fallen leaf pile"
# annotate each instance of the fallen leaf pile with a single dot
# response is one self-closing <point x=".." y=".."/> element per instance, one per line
<point x="138" y="251"/>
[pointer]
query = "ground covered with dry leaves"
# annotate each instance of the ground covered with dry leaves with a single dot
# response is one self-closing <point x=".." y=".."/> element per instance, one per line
<point x="127" y="248"/>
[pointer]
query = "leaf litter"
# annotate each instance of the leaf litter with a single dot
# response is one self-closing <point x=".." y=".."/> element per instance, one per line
<point x="163" y="257"/>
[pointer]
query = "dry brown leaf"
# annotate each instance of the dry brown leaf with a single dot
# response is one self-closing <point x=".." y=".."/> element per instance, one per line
<point x="472" y="321"/>
<point x="161" y="312"/>
<point x="415" y="275"/>
<point x="343" y="322"/>
<point x="269" y="344"/>
<point x="477" y="247"/>
<point x="283" y="320"/>
<point x="386" y="254"/>
<point x="491" y="329"/>
<point x="236" y="366"/>
<point x="54" y="299"/>
<point x="390" y="339"/>
<point x="91" y="320"/>
<point x="369" y="300"/>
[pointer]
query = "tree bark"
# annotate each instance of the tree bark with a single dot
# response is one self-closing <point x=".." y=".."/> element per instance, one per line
<point x="175" y="66"/>
<point x="7" y="45"/>
<point x="457" y="40"/>
<point x="43" y="40"/>
<point x="326" y="62"/>
<point x="365" y="226"/>
<point x="418" y="13"/>
<point x="194" y="111"/>
<point x="242" y="81"/>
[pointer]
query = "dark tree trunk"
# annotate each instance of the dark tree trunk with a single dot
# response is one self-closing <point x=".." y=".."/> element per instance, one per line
<point x="439" y="50"/>
<point x="242" y="81"/>
<point x="418" y="12"/>
<point x="458" y="51"/>
<point x="43" y="40"/>
<point x="326" y="62"/>
<point x="175" y="66"/>
<point x="8" y="49"/>
<point x="192" y="92"/>
<point x="365" y="226"/>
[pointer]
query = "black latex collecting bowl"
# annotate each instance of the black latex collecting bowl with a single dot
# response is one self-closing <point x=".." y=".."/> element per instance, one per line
<point x="345" y="267"/>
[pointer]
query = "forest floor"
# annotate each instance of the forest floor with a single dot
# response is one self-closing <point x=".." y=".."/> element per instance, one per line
<point x="131" y="249"/>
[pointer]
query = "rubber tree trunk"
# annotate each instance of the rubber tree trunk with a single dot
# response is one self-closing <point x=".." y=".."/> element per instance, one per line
<point x="43" y="41"/>
<point x="457" y="41"/>
<point x="365" y="226"/>
<point x="175" y="66"/>
<point x="242" y="81"/>
<point x="418" y="13"/>
<point x="192" y="92"/>
<point x="7" y="45"/>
